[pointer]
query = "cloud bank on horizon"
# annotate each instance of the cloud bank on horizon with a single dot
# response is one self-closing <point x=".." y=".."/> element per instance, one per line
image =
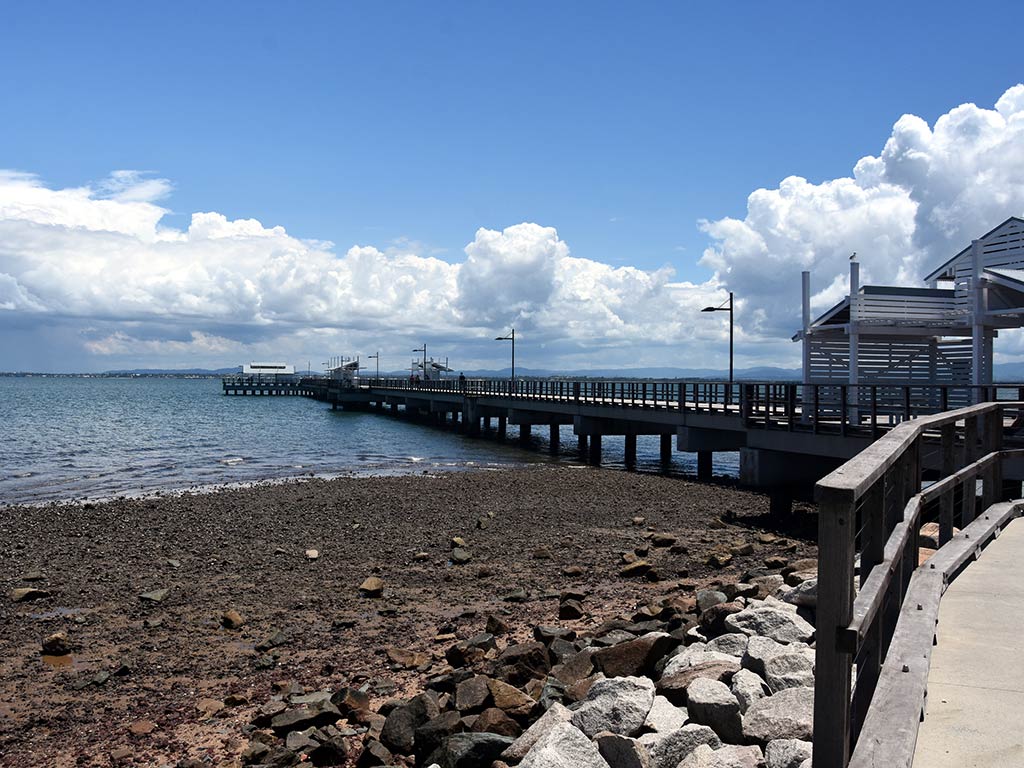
<point x="94" y="272"/>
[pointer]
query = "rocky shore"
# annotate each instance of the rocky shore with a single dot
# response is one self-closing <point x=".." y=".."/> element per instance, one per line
<point x="549" y="616"/>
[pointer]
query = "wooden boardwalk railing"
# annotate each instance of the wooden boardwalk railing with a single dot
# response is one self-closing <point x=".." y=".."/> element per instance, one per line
<point x="873" y="646"/>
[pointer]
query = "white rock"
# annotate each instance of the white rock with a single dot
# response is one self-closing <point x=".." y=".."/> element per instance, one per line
<point x="665" y="716"/>
<point x="804" y="594"/>
<point x="616" y="704"/>
<point x="748" y="687"/>
<point x="781" y="626"/>
<point x="788" y="714"/>
<point x="789" y="670"/>
<point x="787" y="753"/>
<point x="564" y="746"/>
<point x="667" y="749"/>
<point x="760" y="649"/>
<point x="692" y="656"/>
<point x="711" y="703"/>
<point x="724" y="757"/>
<point x="556" y="714"/>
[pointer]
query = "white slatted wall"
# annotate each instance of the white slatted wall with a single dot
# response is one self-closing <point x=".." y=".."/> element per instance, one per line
<point x="887" y="360"/>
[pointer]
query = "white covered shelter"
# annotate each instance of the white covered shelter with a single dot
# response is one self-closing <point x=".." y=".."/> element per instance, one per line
<point x="941" y="334"/>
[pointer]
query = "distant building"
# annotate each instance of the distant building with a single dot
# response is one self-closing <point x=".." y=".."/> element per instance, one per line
<point x="942" y="334"/>
<point x="268" y="369"/>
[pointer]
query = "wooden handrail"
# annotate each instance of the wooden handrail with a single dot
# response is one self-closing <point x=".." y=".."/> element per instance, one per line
<point x="881" y="490"/>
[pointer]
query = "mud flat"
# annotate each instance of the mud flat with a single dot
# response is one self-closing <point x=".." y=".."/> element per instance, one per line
<point x="169" y="622"/>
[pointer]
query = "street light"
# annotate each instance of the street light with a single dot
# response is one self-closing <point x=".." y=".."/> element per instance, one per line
<point x="724" y="308"/>
<point x="423" y="349"/>
<point x="377" y="358"/>
<point x="511" y="337"/>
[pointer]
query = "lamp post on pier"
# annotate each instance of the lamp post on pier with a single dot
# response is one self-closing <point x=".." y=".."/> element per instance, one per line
<point x="377" y="358"/>
<point x="423" y="349"/>
<point x="511" y="337"/>
<point x="723" y="308"/>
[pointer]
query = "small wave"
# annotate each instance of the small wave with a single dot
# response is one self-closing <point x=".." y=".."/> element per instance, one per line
<point x="231" y="461"/>
<point x="415" y="459"/>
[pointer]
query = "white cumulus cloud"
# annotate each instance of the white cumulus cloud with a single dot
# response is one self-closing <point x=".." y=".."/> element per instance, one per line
<point x="926" y="195"/>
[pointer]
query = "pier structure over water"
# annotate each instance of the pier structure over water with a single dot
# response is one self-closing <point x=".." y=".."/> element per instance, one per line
<point x="788" y="435"/>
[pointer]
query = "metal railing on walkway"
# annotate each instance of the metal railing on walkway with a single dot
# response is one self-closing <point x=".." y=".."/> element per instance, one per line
<point x="867" y="410"/>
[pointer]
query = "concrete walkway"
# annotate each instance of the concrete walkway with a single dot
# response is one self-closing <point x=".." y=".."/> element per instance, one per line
<point x="975" y="709"/>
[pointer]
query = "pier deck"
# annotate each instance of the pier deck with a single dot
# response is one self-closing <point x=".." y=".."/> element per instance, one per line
<point x="975" y="706"/>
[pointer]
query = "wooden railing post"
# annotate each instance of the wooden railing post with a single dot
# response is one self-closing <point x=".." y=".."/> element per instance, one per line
<point x="836" y="520"/>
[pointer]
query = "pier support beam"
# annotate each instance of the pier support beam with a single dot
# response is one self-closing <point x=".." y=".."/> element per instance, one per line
<point x="524" y="433"/>
<point x="595" y="450"/>
<point x="704" y="471"/>
<point x="631" y="450"/>
<point x="666" y="449"/>
<point x="556" y="436"/>
<point x="502" y="427"/>
<point x="581" y="444"/>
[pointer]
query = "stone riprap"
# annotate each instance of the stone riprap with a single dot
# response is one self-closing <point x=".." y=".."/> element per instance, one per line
<point x="671" y="686"/>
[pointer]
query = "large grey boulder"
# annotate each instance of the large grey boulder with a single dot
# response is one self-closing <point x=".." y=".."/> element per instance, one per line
<point x="711" y="703"/>
<point x="694" y="655"/>
<point x="733" y="644"/>
<point x="622" y="751"/>
<point x="564" y="746"/>
<point x="760" y="649"/>
<point x="665" y="716"/>
<point x="555" y="715"/>
<point x="668" y="749"/>
<point x="724" y="757"/>
<point x="748" y="687"/>
<point x="789" y="670"/>
<point x="788" y="714"/>
<point x="616" y="704"/>
<point x="780" y="625"/>
<point x="787" y="753"/>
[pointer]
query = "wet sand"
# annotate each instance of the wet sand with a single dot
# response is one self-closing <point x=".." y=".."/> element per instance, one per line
<point x="171" y="663"/>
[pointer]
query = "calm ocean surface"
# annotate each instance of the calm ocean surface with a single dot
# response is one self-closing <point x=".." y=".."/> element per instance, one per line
<point x="96" y="438"/>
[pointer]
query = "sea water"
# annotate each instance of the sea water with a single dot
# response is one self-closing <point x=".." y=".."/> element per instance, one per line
<point x="76" y="438"/>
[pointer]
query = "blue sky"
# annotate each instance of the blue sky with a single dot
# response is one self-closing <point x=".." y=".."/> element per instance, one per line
<point x="409" y="126"/>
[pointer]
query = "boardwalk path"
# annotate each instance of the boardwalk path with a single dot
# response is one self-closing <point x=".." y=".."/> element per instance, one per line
<point x="975" y="710"/>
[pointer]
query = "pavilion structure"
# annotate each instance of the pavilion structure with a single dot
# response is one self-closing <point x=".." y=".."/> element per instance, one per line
<point x="904" y="336"/>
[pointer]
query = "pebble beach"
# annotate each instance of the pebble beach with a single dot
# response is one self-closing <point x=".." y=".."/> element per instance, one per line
<point x="155" y="631"/>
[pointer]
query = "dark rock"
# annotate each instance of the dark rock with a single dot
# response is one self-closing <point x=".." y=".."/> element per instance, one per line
<point x="460" y="556"/>
<point x="663" y="540"/>
<point x="399" y="731"/>
<point x="472" y="695"/>
<point x="268" y="712"/>
<point x="26" y="594"/>
<point x="546" y="633"/>
<point x="496" y="626"/>
<point x="470" y="750"/>
<point x="636" y="569"/>
<point x="231" y="619"/>
<point x="522" y="662"/>
<point x="635" y="657"/>
<point x="494" y="720"/>
<point x="374" y="753"/>
<point x="350" y="699"/>
<point x="571" y="610"/>
<point x="56" y="644"/>
<point x="432" y="733"/>
<point x="372" y="587"/>
<point x="276" y="638"/>
<point x="316" y="714"/>
<point x="713" y="620"/>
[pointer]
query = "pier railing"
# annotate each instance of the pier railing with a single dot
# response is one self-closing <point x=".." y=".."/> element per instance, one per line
<point x="874" y="645"/>
<point x="868" y="410"/>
